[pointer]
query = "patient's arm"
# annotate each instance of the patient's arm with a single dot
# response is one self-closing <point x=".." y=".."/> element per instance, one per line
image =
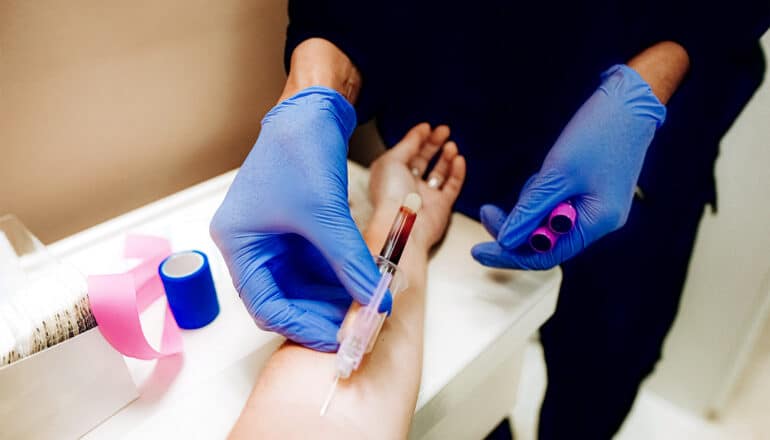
<point x="379" y="399"/>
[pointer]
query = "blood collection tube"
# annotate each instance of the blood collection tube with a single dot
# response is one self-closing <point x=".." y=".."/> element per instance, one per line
<point x="387" y="261"/>
<point x="362" y="324"/>
<point x="401" y="228"/>
<point x="560" y="221"/>
<point x="562" y="218"/>
<point x="543" y="239"/>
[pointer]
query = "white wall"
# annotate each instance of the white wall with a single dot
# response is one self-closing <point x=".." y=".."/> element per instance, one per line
<point x="726" y="299"/>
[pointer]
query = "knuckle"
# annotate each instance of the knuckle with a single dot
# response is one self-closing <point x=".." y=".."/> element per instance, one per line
<point x="264" y="321"/>
<point x="616" y="218"/>
<point x="331" y="211"/>
<point x="217" y="225"/>
<point x="548" y="181"/>
<point x="358" y="282"/>
<point x="262" y="315"/>
<point x="220" y="228"/>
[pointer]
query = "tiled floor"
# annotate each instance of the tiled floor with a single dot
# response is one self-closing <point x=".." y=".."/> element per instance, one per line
<point x="747" y="415"/>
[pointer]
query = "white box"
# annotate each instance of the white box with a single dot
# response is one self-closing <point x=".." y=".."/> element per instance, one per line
<point x="67" y="389"/>
<point x="64" y="391"/>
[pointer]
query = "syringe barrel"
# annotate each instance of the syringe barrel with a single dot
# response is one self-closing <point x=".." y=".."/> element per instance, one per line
<point x="398" y="235"/>
<point x="362" y="324"/>
<point x="349" y="356"/>
<point x="397" y="285"/>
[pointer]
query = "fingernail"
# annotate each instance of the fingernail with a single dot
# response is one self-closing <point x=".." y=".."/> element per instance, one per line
<point x="492" y="218"/>
<point x="387" y="303"/>
<point x="415" y="172"/>
<point x="479" y="256"/>
<point x="327" y="347"/>
<point x="505" y="238"/>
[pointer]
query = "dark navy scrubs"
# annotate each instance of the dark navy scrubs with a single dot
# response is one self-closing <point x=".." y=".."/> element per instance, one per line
<point x="506" y="77"/>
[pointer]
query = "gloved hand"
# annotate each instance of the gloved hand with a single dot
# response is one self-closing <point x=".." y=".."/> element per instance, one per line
<point x="595" y="163"/>
<point x="285" y="228"/>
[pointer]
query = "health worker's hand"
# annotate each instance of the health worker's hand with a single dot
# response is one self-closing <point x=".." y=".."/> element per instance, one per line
<point x="285" y="229"/>
<point x="595" y="163"/>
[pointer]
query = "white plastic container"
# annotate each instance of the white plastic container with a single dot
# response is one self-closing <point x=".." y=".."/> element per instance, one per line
<point x="67" y="389"/>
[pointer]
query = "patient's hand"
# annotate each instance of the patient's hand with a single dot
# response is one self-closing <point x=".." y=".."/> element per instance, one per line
<point x="295" y="380"/>
<point x="399" y="172"/>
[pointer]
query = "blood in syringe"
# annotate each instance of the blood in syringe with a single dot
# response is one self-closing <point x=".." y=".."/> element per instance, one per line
<point x="398" y="235"/>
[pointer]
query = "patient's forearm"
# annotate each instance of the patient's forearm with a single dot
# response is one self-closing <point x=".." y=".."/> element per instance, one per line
<point x="381" y="394"/>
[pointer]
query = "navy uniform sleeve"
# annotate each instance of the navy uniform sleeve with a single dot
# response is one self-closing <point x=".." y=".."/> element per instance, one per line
<point x="344" y="24"/>
<point x="706" y="29"/>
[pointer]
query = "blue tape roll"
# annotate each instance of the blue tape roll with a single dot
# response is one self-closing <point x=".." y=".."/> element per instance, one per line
<point x="189" y="288"/>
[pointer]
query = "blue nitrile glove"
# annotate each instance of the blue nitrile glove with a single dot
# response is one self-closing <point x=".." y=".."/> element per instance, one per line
<point x="595" y="163"/>
<point x="285" y="228"/>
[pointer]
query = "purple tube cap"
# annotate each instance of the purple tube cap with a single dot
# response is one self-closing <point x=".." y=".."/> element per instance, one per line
<point x="562" y="218"/>
<point x="542" y="239"/>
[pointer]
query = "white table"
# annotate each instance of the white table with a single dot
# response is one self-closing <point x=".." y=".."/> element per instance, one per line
<point x="477" y="322"/>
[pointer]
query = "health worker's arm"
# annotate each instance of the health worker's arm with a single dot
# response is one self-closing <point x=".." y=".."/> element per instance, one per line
<point x="379" y="399"/>
<point x="706" y="30"/>
<point x="317" y="62"/>
<point x="288" y="206"/>
<point x="595" y="163"/>
<point x="662" y="66"/>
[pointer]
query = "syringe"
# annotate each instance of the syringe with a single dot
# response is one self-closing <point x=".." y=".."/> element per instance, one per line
<point x="362" y="324"/>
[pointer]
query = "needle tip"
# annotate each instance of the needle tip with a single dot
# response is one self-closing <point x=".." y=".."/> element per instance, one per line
<point x="329" y="396"/>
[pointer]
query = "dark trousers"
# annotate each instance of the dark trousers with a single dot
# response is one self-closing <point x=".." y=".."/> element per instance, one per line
<point x="616" y="305"/>
<point x="619" y="297"/>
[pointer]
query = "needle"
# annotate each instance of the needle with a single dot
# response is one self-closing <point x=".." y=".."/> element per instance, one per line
<point x="329" y="396"/>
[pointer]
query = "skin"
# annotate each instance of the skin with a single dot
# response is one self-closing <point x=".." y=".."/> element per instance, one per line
<point x="318" y="62"/>
<point x="295" y="380"/>
<point x="662" y="66"/>
<point x="379" y="399"/>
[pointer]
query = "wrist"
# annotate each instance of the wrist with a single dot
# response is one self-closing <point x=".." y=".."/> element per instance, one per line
<point x="318" y="62"/>
<point x="663" y="66"/>
<point x="381" y="206"/>
<point x="631" y="94"/>
<point x="376" y="231"/>
<point x="312" y="105"/>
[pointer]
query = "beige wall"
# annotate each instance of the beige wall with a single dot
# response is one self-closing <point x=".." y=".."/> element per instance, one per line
<point x="106" y="105"/>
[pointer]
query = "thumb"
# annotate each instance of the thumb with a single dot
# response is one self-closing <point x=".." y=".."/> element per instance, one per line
<point x="341" y="243"/>
<point x="273" y="312"/>
<point x="492" y="218"/>
<point x="541" y="194"/>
